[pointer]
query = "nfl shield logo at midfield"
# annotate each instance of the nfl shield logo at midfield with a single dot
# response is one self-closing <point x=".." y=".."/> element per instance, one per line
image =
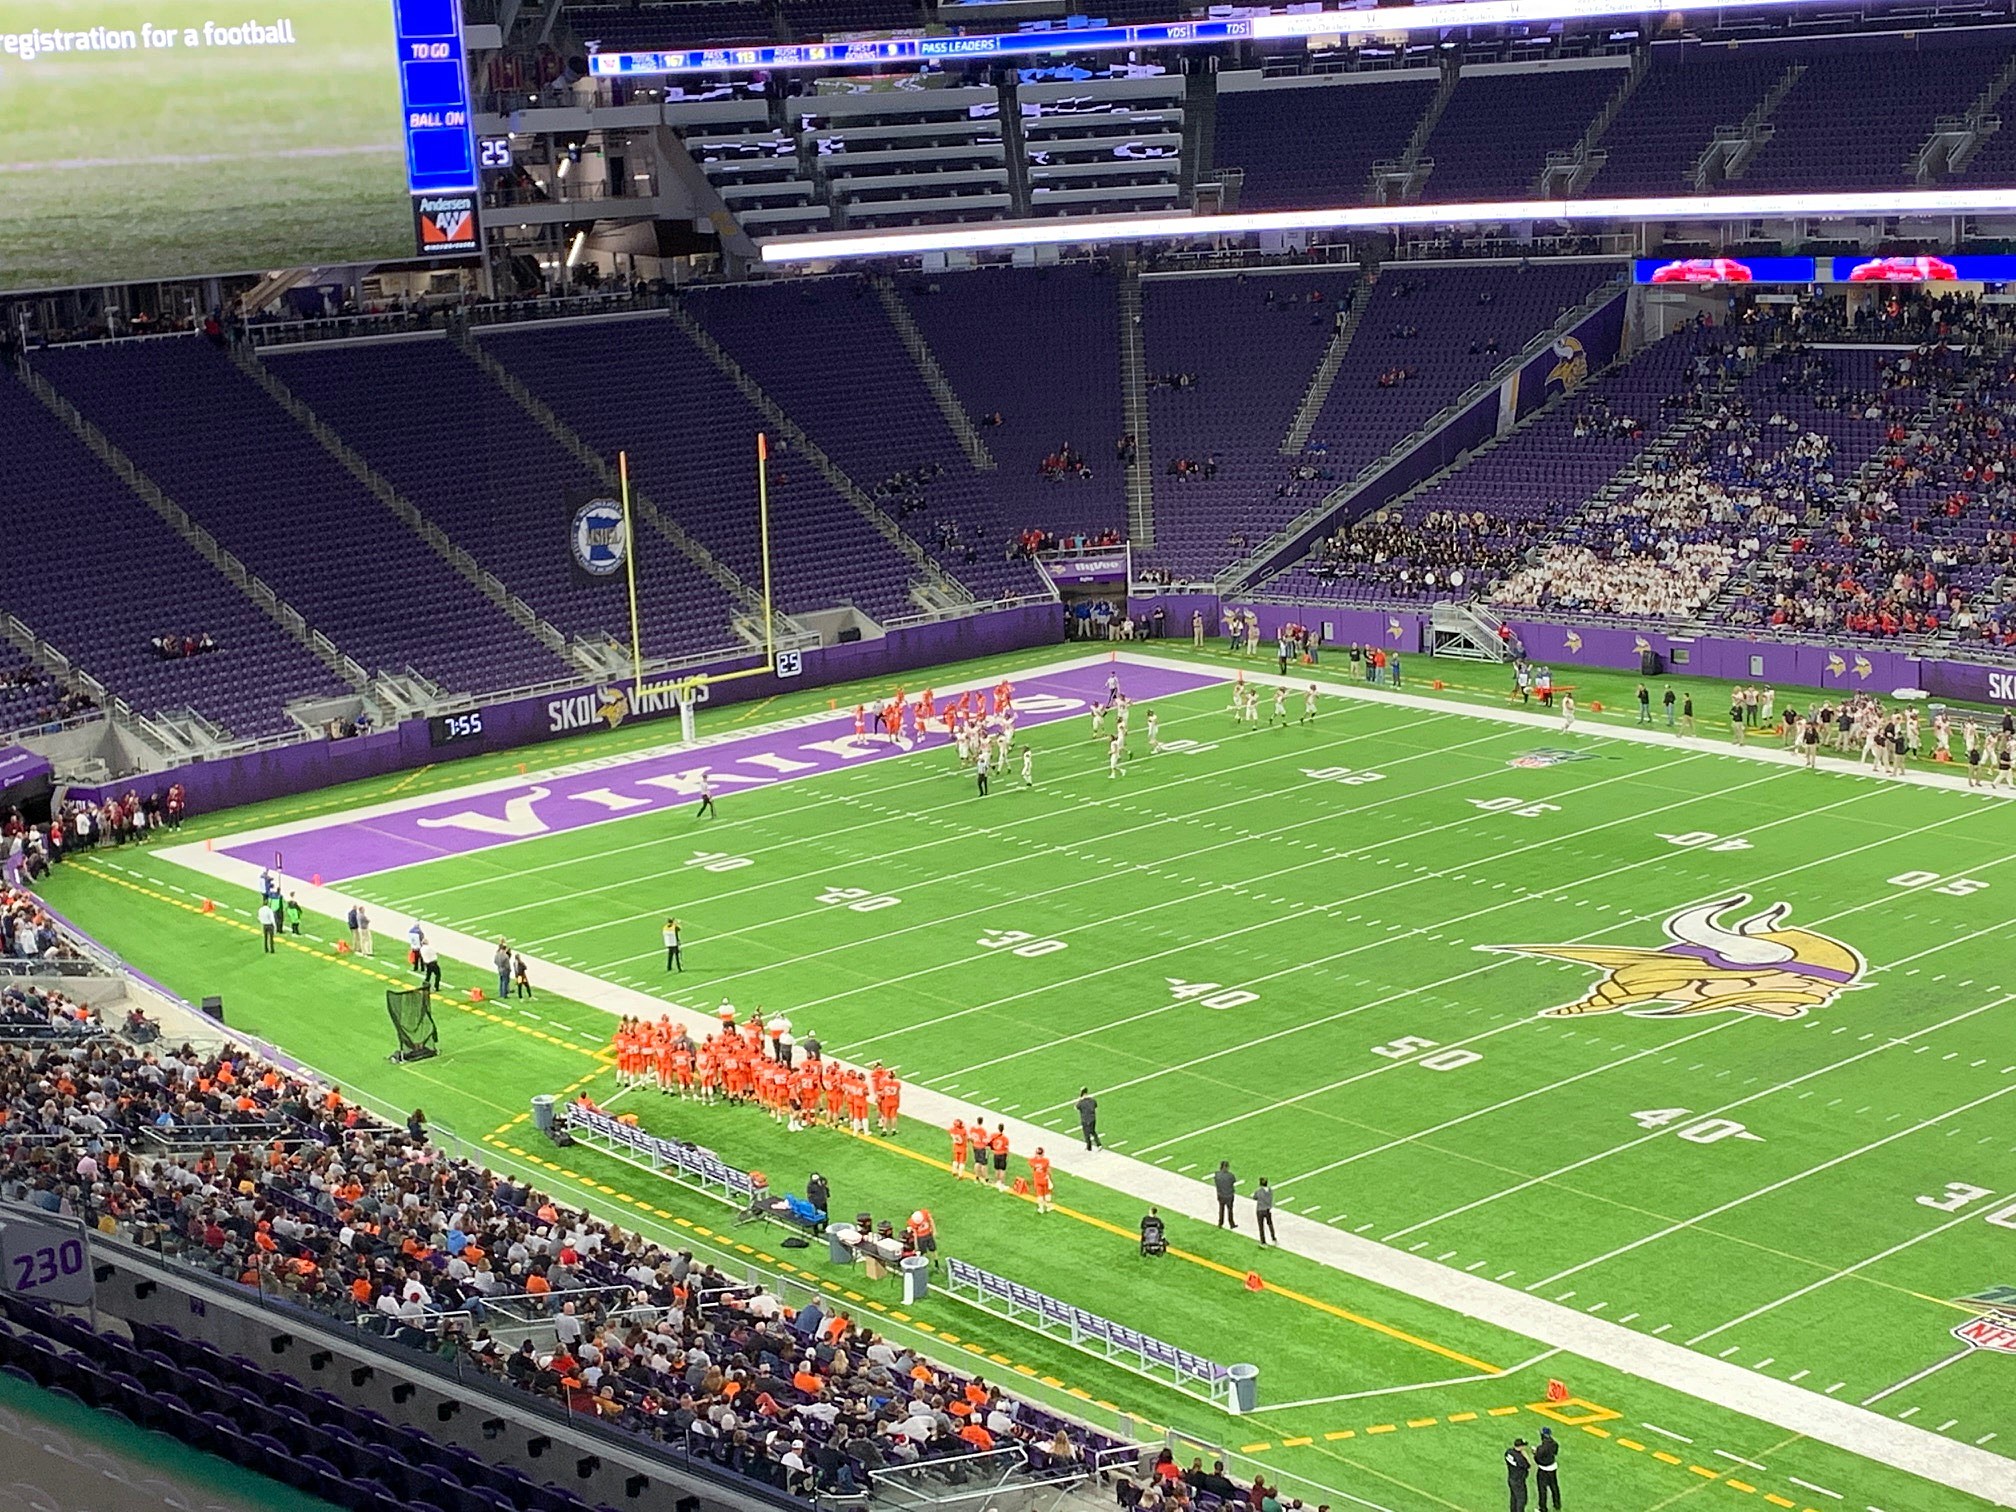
<point x="1995" y="1328"/>
<point x="596" y="539"/>
<point x="1547" y="756"/>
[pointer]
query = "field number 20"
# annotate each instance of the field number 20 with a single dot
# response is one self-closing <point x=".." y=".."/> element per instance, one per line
<point x="857" y="899"/>
<point x="1960" y="1193"/>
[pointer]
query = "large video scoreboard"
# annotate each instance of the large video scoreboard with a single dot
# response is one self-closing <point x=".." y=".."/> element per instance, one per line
<point x="152" y="139"/>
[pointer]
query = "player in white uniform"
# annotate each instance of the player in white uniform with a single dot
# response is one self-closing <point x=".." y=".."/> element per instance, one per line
<point x="1115" y="749"/>
<point x="1154" y="733"/>
<point x="1309" y="705"/>
<point x="1028" y="767"/>
<point x="1280" y="707"/>
<point x="1121" y="710"/>
<point x="1252" y="706"/>
<point x="1567" y="711"/>
<point x="1098" y="720"/>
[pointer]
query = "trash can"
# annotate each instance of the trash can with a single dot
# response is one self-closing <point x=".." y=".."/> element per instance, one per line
<point x="542" y="1114"/>
<point x="916" y="1279"/>
<point x="840" y="1244"/>
<point x="1245" y="1384"/>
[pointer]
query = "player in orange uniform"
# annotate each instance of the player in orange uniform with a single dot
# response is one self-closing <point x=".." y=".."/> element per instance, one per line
<point x="888" y="1097"/>
<point x="857" y="1102"/>
<point x="959" y="1147"/>
<point x="998" y="1148"/>
<point x="682" y="1065"/>
<point x="1039" y="1179"/>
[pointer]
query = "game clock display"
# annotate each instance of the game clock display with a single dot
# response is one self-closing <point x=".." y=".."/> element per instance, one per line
<point x="453" y="729"/>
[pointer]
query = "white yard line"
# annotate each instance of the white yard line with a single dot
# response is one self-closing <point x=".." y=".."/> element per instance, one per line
<point x="1725" y="1023"/>
<point x="962" y="834"/>
<point x="1781" y="1184"/>
<point x="1212" y="773"/>
<point x="1744" y="1101"/>
<point x="1758" y="1312"/>
<point x="1911" y="1380"/>
<point x="1188" y="947"/>
<point x="1442" y="983"/>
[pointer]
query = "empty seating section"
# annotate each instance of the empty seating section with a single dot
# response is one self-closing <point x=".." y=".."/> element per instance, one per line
<point x="752" y="165"/>
<point x="1445" y="329"/>
<point x="1252" y="345"/>
<point x="875" y="419"/>
<point x="1103" y="144"/>
<point x="1657" y="140"/>
<point x="242" y="467"/>
<point x="639" y="384"/>
<point x="898" y="157"/>
<point x="1861" y="110"/>
<point x="696" y="23"/>
<point x="1493" y="138"/>
<point x="1304" y="143"/>
<point x="831" y="18"/>
<point x="124" y="577"/>
<point x="500" y="491"/>
<point x="1040" y="348"/>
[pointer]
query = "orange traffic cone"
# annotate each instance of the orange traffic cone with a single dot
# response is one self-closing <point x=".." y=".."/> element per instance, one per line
<point x="1254" y="1283"/>
<point x="1438" y="685"/>
<point x="475" y="994"/>
<point x="1596" y="705"/>
<point x="343" y="947"/>
<point x="209" y="907"/>
<point x="1021" y="1188"/>
<point x="1556" y="1391"/>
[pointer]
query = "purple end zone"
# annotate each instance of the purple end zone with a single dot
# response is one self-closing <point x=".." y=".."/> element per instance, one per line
<point x="347" y="849"/>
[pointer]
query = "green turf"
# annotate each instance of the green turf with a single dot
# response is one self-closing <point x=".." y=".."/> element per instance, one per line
<point x="1352" y="911"/>
<point x="199" y="158"/>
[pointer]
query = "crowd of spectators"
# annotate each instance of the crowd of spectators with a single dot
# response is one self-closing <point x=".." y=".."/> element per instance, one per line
<point x="240" y="1167"/>
<point x="1035" y="540"/>
<point x="1423" y="557"/>
<point x="30" y="695"/>
<point x="172" y="647"/>
<point x="1065" y="464"/>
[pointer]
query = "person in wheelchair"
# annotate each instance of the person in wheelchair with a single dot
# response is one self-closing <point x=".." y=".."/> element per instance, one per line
<point x="1154" y="1240"/>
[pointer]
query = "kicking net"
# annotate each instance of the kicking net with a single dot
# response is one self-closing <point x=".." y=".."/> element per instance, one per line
<point x="412" y="1012"/>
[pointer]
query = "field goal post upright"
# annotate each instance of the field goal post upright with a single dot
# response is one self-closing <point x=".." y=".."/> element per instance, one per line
<point x="690" y="692"/>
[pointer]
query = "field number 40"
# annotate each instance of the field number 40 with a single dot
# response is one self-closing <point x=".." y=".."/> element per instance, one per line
<point x="1701" y="1131"/>
<point x="1210" y="994"/>
<point x="1441" y="1060"/>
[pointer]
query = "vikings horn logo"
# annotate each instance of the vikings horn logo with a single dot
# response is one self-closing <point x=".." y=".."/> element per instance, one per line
<point x="1574" y="640"/>
<point x="1571" y="363"/>
<point x="1752" y="966"/>
<point x="613" y="706"/>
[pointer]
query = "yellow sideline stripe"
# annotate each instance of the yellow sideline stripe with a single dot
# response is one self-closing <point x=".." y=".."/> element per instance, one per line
<point x="348" y="963"/>
<point x="1233" y="1272"/>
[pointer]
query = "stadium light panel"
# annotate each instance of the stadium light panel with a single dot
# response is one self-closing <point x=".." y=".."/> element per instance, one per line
<point x="1008" y="235"/>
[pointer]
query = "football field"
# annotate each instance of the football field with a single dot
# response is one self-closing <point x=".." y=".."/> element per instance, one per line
<point x="1652" y="1045"/>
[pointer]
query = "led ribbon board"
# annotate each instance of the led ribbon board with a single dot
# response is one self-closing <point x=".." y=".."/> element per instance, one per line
<point x="867" y="52"/>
